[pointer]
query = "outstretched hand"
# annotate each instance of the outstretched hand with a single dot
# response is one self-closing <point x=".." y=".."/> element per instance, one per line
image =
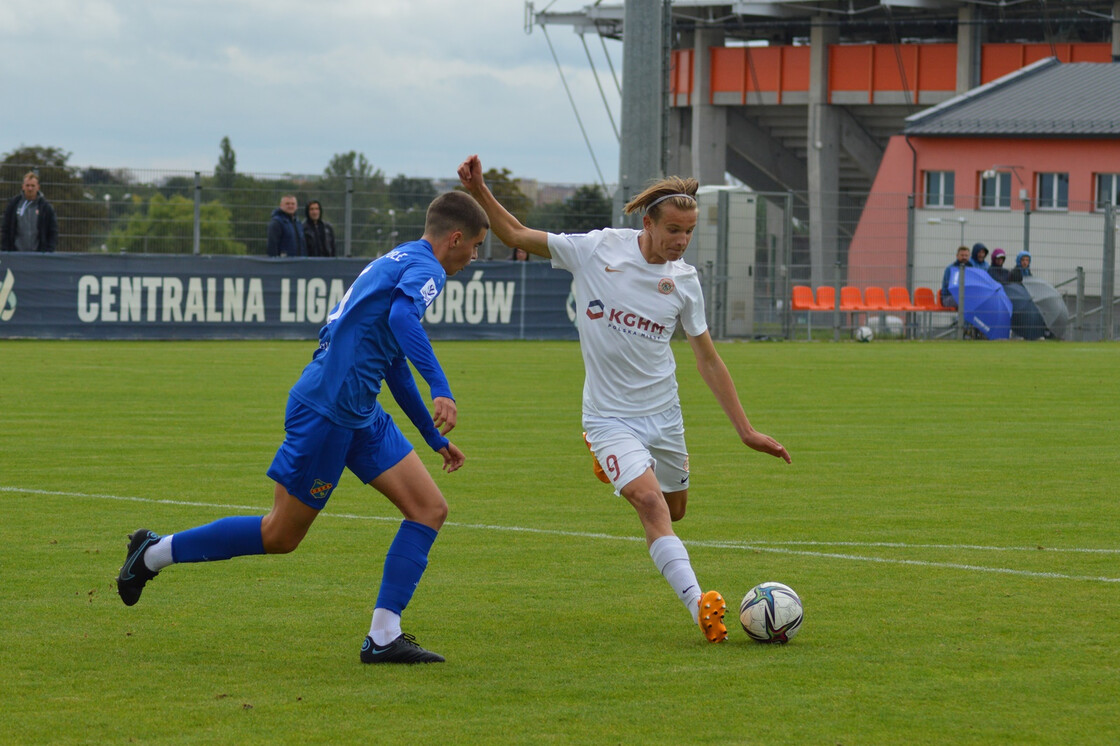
<point x="444" y="414"/>
<point x="452" y="457"/>
<point x="470" y="173"/>
<point x="765" y="444"/>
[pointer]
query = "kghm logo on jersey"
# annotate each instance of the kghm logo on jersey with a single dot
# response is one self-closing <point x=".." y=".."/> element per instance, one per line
<point x="666" y="285"/>
<point x="595" y="309"/>
<point x="7" y="296"/>
<point x="321" y="490"/>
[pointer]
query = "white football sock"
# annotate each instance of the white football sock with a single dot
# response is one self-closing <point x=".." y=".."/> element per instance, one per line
<point x="385" y="626"/>
<point x="158" y="555"/>
<point x="671" y="559"/>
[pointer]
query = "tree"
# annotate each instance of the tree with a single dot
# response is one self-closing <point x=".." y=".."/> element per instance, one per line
<point x="586" y="210"/>
<point x="354" y="164"/>
<point x="226" y="170"/>
<point x="407" y="193"/>
<point x="505" y="189"/>
<point x="167" y="227"/>
<point x="372" y="223"/>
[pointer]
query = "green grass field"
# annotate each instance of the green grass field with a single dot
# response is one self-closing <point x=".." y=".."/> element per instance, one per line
<point x="950" y="520"/>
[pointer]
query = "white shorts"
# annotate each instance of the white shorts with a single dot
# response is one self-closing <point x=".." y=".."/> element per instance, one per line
<point x="627" y="446"/>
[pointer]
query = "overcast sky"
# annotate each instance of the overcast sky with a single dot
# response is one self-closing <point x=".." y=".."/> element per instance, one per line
<point x="415" y="85"/>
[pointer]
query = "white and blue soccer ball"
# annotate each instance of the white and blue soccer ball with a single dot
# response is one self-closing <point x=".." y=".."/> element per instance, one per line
<point x="771" y="612"/>
<point x="864" y="334"/>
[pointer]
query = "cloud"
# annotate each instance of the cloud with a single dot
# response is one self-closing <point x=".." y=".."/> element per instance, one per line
<point x="414" y="85"/>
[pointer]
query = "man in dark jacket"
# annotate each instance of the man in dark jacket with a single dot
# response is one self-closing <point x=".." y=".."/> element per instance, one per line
<point x="29" y="221"/>
<point x="959" y="264"/>
<point x="285" y="234"/>
<point x="318" y="234"/>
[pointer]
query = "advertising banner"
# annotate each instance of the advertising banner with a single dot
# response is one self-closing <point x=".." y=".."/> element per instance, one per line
<point x="144" y="296"/>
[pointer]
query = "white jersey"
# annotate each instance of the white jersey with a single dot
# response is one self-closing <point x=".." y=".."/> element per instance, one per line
<point x="626" y="312"/>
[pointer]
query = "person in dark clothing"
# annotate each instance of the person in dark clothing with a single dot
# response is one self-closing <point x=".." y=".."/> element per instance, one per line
<point x="961" y="261"/>
<point x="285" y="234"/>
<point x="318" y="234"/>
<point x="1022" y="266"/>
<point x="979" y="256"/>
<point x="29" y="222"/>
<point x="997" y="271"/>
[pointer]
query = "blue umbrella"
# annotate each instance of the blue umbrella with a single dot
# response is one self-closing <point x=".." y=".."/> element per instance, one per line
<point x="1026" y="319"/>
<point x="986" y="305"/>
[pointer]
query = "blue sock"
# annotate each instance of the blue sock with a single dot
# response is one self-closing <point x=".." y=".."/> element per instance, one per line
<point x="224" y="538"/>
<point x="404" y="564"/>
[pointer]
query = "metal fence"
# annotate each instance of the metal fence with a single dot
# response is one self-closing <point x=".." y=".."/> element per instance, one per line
<point x="183" y="212"/>
<point x="751" y="248"/>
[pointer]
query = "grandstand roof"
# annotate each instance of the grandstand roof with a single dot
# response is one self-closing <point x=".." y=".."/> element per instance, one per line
<point x="1046" y="99"/>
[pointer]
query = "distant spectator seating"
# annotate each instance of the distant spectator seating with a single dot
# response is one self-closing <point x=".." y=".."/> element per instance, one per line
<point x="855" y="301"/>
<point x="802" y="300"/>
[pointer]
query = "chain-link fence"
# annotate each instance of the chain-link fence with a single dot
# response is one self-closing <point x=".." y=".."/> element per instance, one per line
<point x="751" y="248"/>
<point x="152" y="211"/>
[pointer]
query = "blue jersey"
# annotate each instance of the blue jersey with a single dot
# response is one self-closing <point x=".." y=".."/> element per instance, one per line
<point x="357" y="345"/>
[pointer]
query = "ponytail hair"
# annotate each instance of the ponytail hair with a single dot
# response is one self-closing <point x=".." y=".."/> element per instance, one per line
<point x="674" y="190"/>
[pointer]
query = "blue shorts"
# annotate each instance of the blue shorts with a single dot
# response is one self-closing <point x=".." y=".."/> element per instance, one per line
<point x="309" y="463"/>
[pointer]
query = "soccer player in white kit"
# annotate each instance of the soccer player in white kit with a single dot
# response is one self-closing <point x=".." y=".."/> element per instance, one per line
<point x="631" y="288"/>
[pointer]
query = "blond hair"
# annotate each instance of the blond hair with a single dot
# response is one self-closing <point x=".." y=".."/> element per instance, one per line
<point x="673" y="190"/>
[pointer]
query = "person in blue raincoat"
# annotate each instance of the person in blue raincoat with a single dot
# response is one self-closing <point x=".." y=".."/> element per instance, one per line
<point x="979" y="257"/>
<point x="1022" y="266"/>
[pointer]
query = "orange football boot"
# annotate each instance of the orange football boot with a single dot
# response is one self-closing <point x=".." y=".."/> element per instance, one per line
<point x="712" y="609"/>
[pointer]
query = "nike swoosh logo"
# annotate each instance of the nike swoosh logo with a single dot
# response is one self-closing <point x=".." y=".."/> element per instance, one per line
<point x="135" y="556"/>
<point x="611" y="269"/>
<point x="685" y="480"/>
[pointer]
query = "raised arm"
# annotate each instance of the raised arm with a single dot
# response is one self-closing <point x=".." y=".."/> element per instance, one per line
<point x="714" y="373"/>
<point x="505" y="226"/>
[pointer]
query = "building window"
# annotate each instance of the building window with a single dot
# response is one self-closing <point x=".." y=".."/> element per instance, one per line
<point x="939" y="189"/>
<point x="1053" y="191"/>
<point x="1108" y="190"/>
<point x="995" y="190"/>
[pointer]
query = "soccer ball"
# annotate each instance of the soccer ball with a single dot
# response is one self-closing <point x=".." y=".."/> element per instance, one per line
<point x="864" y="334"/>
<point x="771" y="612"/>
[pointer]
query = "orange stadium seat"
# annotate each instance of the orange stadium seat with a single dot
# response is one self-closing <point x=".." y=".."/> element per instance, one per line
<point x="899" y="300"/>
<point x="875" y="299"/>
<point x="803" y="298"/>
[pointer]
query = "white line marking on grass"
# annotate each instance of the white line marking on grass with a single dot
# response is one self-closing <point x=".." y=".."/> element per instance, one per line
<point x="762" y="546"/>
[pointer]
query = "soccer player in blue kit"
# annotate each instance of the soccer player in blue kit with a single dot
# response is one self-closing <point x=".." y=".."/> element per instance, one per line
<point x="334" y="420"/>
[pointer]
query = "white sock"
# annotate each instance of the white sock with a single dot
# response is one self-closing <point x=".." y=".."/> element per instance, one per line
<point x="671" y="559"/>
<point x="158" y="555"/>
<point x="385" y="627"/>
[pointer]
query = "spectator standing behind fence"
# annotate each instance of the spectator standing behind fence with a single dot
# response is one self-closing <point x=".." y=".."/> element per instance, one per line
<point x="318" y="234"/>
<point x="29" y="221"/>
<point x="285" y="234"/>
<point x="519" y="255"/>
<point x="961" y="262"/>
<point x="979" y="256"/>
<point x="997" y="271"/>
<point x="1022" y="266"/>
